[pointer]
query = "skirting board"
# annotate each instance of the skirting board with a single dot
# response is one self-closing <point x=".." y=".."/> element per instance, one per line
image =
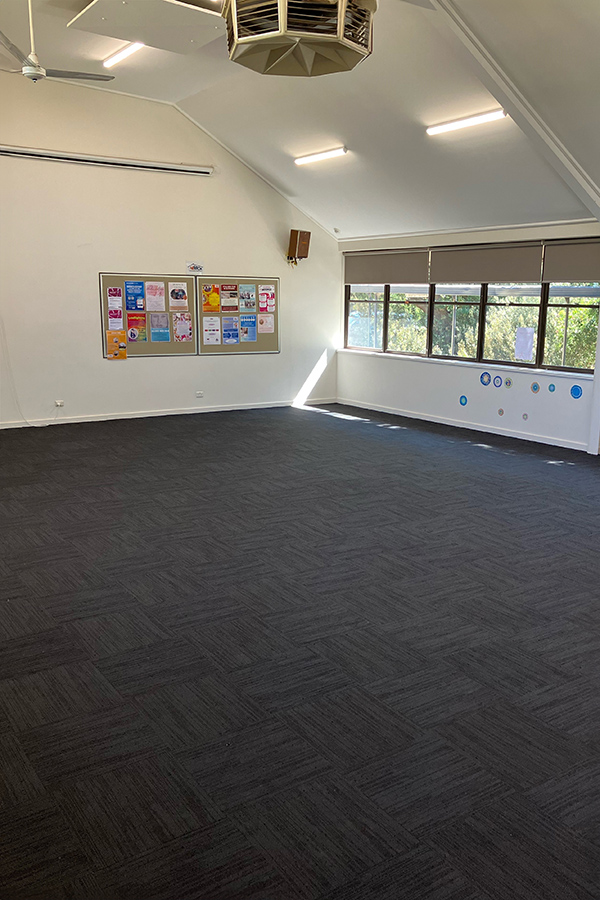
<point x="472" y="426"/>
<point x="147" y="413"/>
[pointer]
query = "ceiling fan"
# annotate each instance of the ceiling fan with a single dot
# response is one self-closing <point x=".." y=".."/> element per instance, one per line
<point x="31" y="67"/>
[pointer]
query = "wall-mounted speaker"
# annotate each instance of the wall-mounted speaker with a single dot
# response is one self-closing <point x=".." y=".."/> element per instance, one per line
<point x="299" y="244"/>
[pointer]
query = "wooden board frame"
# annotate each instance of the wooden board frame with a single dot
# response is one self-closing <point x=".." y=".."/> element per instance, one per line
<point x="265" y="343"/>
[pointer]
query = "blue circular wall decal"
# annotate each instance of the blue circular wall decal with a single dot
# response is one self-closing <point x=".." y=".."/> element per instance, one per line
<point x="485" y="378"/>
<point x="508" y="382"/>
<point x="576" y="392"/>
<point x="535" y="388"/>
<point x="497" y="381"/>
<point x="551" y="388"/>
<point x="525" y="416"/>
<point x="500" y="412"/>
<point x="463" y="400"/>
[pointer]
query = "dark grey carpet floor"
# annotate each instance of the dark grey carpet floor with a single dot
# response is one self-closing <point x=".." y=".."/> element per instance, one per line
<point x="288" y="654"/>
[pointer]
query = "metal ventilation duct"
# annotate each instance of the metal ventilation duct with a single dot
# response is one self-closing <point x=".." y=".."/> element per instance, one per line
<point x="299" y="37"/>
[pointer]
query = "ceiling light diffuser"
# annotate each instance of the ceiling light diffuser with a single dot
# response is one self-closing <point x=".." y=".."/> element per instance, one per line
<point x="122" y="54"/>
<point x="316" y="157"/>
<point x="467" y="123"/>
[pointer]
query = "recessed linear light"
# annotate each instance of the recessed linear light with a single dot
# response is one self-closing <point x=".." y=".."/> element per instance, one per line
<point x="467" y="123"/>
<point x="122" y="54"/>
<point x="315" y="157"/>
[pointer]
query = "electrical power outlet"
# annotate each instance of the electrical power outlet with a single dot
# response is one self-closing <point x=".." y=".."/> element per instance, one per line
<point x="59" y="402"/>
<point x="199" y="393"/>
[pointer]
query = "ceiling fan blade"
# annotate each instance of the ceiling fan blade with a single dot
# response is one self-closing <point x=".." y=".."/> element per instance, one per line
<point x="14" y="50"/>
<point x="79" y="76"/>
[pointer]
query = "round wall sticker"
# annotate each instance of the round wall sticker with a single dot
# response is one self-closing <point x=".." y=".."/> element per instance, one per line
<point x="463" y="400"/>
<point x="508" y="382"/>
<point x="525" y="416"/>
<point x="500" y="412"/>
<point x="497" y="381"/>
<point x="485" y="378"/>
<point x="535" y="388"/>
<point x="551" y="388"/>
<point x="576" y="392"/>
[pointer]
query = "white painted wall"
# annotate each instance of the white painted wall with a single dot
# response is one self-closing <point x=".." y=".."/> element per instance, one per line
<point x="62" y="224"/>
<point x="431" y="389"/>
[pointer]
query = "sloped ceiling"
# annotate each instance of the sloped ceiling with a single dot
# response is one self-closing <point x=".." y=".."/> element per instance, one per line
<point x="394" y="179"/>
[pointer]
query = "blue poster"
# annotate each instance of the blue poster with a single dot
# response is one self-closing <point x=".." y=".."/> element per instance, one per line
<point x="159" y="327"/>
<point x="231" y="329"/>
<point x="134" y="295"/>
<point x="248" y="328"/>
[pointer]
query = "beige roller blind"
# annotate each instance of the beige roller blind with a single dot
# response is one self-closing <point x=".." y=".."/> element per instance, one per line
<point x="388" y="268"/>
<point x="572" y="261"/>
<point x="505" y="263"/>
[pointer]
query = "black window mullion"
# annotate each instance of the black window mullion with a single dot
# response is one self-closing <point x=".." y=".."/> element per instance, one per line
<point x="430" y="311"/>
<point x="386" y="317"/>
<point x="481" y="329"/>
<point x="346" y="313"/>
<point x="541" y="337"/>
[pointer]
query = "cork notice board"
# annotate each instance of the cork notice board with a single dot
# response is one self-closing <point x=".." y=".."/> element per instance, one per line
<point x="237" y="314"/>
<point x="157" y="312"/>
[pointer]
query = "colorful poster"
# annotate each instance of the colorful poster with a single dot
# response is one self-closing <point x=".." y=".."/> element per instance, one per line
<point x="211" y="330"/>
<point x="114" y="295"/>
<point x="155" y="296"/>
<point x="159" y="327"/>
<point x="182" y="326"/>
<point x="178" y="298"/>
<point x="231" y="330"/>
<point x="266" y="298"/>
<point x="266" y="324"/>
<point x="211" y="298"/>
<point x="136" y="328"/>
<point x="134" y="295"/>
<point x="247" y="328"/>
<point x="116" y="345"/>
<point x="115" y="319"/>
<point x="247" y="298"/>
<point x="229" y="298"/>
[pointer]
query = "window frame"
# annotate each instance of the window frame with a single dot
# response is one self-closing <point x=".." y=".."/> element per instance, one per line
<point x="537" y="363"/>
<point x="389" y="302"/>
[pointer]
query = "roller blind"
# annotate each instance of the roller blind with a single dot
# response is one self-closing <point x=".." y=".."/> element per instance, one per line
<point x="507" y="263"/>
<point x="572" y="261"/>
<point x="388" y="268"/>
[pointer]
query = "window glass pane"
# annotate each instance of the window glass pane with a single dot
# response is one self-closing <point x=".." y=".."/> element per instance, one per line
<point x="407" y="327"/>
<point x="365" y="325"/>
<point x="455" y="330"/>
<point x="571" y="337"/>
<point x="580" y="294"/>
<point x="457" y="293"/>
<point x="371" y="292"/>
<point x="511" y="333"/>
<point x="409" y="293"/>
<point x="514" y="293"/>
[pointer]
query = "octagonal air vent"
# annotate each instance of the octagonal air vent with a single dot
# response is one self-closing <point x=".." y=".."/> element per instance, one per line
<point x="299" y="37"/>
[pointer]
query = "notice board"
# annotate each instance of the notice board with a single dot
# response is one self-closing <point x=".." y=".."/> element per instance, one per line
<point x="156" y="313"/>
<point x="237" y="314"/>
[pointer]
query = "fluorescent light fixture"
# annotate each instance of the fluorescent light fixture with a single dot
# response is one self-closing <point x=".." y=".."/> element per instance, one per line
<point x="122" y="54"/>
<point x="467" y="123"/>
<point x="315" y="157"/>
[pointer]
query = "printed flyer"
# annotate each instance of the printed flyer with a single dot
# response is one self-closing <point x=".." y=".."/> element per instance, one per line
<point x="134" y="295"/>
<point x="229" y="298"/>
<point x="159" y="327"/>
<point x="211" y="330"/>
<point x="136" y="328"/>
<point x="155" y="296"/>
<point x="116" y="345"/>
<point x="247" y="298"/>
<point x="182" y="326"/>
<point x="231" y="330"/>
<point x="114" y="295"/>
<point x="247" y="328"/>
<point x="266" y="324"/>
<point x="115" y="319"/>
<point x="178" y="298"/>
<point x="211" y="298"/>
<point x="266" y="298"/>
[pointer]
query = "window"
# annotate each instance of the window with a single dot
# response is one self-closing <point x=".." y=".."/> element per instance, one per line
<point x="365" y="315"/>
<point x="456" y="320"/>
<point x="572" y="325"/>
<point x="407" y="318"/>
<point x="512" y="314"/>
